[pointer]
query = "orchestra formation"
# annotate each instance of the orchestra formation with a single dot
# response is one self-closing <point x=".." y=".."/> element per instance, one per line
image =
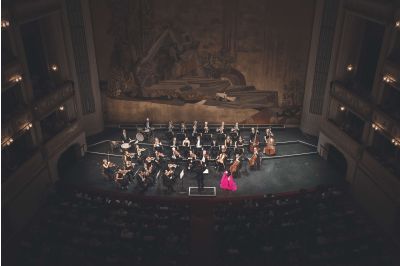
<point x="195" y="149"/>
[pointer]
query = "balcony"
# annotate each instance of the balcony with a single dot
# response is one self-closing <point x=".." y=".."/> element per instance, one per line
<point x="53" y="100"/>
<point x="341" y="138"/>
<point x="361" y="106"/>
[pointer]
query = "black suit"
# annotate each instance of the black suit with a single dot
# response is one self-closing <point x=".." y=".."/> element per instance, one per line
<point x="200" y="176"/>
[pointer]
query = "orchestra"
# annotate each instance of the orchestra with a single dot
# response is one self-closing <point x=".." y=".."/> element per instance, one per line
<point x="226" y="152"/>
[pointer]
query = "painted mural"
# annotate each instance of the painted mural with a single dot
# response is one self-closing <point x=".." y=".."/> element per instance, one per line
<point x="220" y="53"/>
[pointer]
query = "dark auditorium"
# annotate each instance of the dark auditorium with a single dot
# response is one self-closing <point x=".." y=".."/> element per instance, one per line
<point x="200" y="132"/>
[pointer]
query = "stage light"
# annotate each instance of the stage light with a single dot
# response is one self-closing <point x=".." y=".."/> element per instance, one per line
<point x="5" y="23"/>
<point x="349" y="68"/>
<point x="16" y="78"/>
<point x="54" y="67"/>
<point x="61" y="108"/>
<point x="342" y="108"/>
<point x="388" y="78"/>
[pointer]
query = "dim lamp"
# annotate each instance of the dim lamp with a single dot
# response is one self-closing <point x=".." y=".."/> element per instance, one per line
<point x="349" y="68"/>
<point x="388" y="78"/>
<point x="61" y="108"/>
<point x="397" y="24"/>
<point x="395" y="142"/>
<point x="5" y="23"/>
<point x="342" y="108"/>
<point x="16" y="78"/>
<point x="54" y="67"/>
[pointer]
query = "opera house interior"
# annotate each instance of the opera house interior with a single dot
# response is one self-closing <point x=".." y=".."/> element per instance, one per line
<point x="200" y="132"/>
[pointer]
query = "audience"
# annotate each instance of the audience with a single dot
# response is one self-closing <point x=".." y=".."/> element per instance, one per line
<point x="88" y="229"/>
<point x="306" y="228"/>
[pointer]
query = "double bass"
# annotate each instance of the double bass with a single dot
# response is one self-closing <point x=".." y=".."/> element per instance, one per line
<point x="256" y="141"/>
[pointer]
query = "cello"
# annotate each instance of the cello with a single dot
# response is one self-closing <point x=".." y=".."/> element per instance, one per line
<point x="253" y="160"/>
<point x="269" y="148"/>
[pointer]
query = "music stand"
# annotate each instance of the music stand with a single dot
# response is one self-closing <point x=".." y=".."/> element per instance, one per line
<point x="181" y="175"/>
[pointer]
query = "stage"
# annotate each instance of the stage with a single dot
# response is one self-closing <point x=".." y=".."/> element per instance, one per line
<point x="296" y="166"/>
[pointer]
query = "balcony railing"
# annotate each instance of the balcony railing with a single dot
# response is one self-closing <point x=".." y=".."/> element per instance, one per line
<point x="52" y="101"/>
<point x="353" y="101"/>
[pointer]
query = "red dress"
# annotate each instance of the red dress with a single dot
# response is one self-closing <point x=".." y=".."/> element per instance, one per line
<point x="227" y="182"/>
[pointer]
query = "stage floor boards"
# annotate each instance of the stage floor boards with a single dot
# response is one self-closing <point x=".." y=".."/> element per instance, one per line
<point x="276" y="175"/>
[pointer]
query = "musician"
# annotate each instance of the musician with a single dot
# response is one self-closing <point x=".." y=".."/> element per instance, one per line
<point x="191" y="158"/>
<point x="198" y="146"/>
<point x="169" y="177"/>
<point x="139" y="152"/>
<point x="108" y="169"/>
<point x="186" y="142"/>
<point x="236" y="166"/>
<point x="149" y="169"/>
<point x="175" y="155"/>
<point x="220" y="161"/>
<point x="214" y="150"/>
<point x="206" y="129"/>
<point x="147" y="126"/>
<point x="204" y="158"/>
<point x="228" y="141"/>
<point x="170" y="127"/>
<point x="157" y="145"/>
<point x="221" y="129"/>
<point x="236" y="131"/>
<point x="223" y="149"/>
<point x="199" y="170"/>
<point x="142" y="180"/>
<point x="254" y="139"/>
<point x="127" y="159"/>
<point x="158" y="159"/>
<point x="183" y="128"/>
<point x="121" y="179"/>
<point x="124" y="137"/>
<point x="239" y="144"/>
<point x="194" y="133"/>
<point x="174" y="143"/>
<point x="170" y="132"/>
<point x="253" y="134"/>
<point x="268" y="133"/>
<point x="255" y="160"/>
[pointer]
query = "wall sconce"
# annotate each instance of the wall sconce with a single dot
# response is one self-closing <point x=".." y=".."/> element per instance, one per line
<point x="375" y="126"/>
<point x="395" y="142"/>
<point x="16" y="78"/>
<point x="54" y="67"/>
<point x="388" y="78"/>
<point x="5" y="23"/>
<point x="9" y="141"/>
<point x="349" y="68"/>
<point x="61" y="108"/>
<point x="342" y="108"/>
<point x="28" y="126"/>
